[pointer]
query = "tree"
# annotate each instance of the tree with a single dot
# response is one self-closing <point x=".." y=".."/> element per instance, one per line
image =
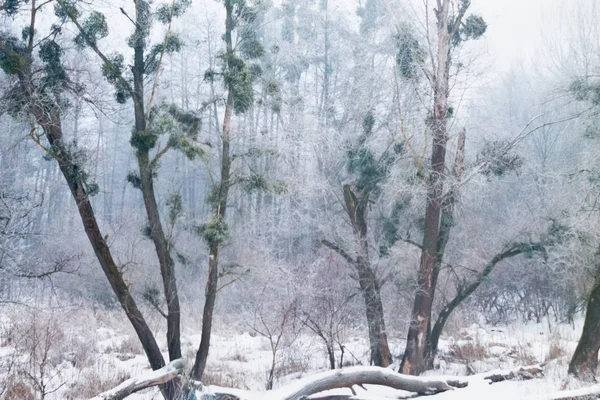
<point x="452" y="29"/>
<point x="151" y="122"/>
<point x="40" y="98"/>
<point x="370" y="173"/>
<point x="238" y="79"/>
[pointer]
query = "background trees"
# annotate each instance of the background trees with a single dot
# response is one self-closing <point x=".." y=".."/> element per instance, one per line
<point x="302" y="143"/>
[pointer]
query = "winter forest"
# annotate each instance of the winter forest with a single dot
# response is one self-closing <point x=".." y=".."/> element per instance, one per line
<point x="299" y="199"/>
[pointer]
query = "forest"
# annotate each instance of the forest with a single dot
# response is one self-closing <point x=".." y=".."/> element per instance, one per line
<point x="299" y="199"/>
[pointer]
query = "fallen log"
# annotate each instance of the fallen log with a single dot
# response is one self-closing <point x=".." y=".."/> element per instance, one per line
<point x="518" y="374"/>
<point x="340" y="379"/>
<point x="154" y="378"/>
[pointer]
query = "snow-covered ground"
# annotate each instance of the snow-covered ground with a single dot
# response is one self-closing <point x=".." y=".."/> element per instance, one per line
<point x="95" y="354"/>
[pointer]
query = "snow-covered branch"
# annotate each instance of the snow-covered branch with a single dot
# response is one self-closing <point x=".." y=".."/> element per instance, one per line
<point x="340" y="379"/>
<point x="167" y="373"/>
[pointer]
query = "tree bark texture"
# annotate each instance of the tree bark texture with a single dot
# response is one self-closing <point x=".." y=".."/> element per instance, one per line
<point x="584" y="364"/>
<point x="356" y="207"/>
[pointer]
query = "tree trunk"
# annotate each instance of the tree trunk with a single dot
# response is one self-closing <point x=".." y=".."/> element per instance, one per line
<point x="219" y="212"/>
<point x="167" y="267"/>
<point x="207" y="315"/>
<point x="345" y="378"/>
<point x="584" y="364"/>
<point x="369" y="284"/>
<point x="166" y="374"/>
<point x="50" y="122"/>
<point x="413" y="361"/>
<point x="446" y="224"/>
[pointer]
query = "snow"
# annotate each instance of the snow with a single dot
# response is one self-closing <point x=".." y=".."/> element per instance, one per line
<point x="241" y="360"/>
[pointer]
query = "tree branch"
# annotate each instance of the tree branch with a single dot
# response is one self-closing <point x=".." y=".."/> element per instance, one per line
<point x="338" y="250"/>
<point x="96" y="50"/>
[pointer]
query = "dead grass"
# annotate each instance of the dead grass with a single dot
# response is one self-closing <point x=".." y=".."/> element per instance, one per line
<point x="130" y="345"/>
<point x="469" y="351"/>
<point x="221" y="376"/>
<point x="291" y="365"/>
<point x="93" y="384"/>
<point x="556" y="349"/>
<point x="17" y="389"/>
<point x="522" y="355"/>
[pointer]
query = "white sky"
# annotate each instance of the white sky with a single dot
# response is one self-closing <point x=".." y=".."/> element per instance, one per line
<point x="515" y="27"/>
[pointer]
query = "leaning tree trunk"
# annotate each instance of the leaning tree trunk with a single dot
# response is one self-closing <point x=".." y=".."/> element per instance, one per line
<point x="464" y="293"/>
<point x="413" y="361"/>
<point x="50" y="122"/>
<point x="584" y="364"/>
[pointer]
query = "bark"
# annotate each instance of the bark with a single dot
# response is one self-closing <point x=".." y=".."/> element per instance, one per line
<point x="48" y="117"/>
<point x="363" y="376"/>
<point x="414" y="361"/>
<point x="161" y="244"/>
<point x="584" y="364"/>
<point x="213" y="258"/>
<point x="171" y="389"/>
<point x="356" y="207"/>
<point x="446" y="223"/>
<point x="219" y="211"/>
<point x="167" y="266"/>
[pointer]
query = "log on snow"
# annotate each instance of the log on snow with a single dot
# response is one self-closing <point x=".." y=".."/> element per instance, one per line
<point x="154" y="378"/>
<point x="358" y="376"/>
<point x="519" y="374"/>
<point x="342" y="379"/>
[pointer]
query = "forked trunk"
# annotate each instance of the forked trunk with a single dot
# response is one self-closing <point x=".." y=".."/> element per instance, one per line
<point x="414" y="362"/>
